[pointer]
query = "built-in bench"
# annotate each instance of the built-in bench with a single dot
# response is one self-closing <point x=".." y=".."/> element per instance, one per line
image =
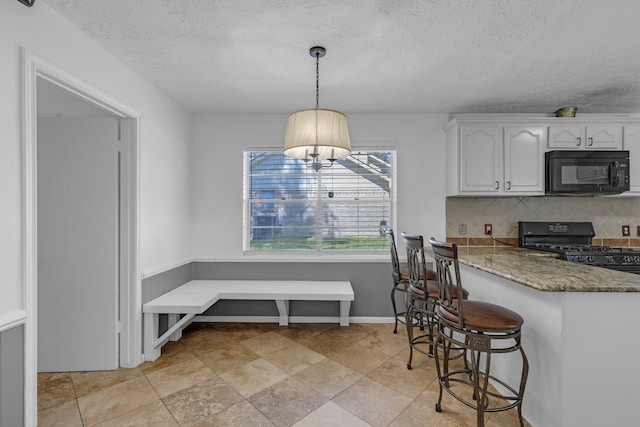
<point x="196" y="296"/>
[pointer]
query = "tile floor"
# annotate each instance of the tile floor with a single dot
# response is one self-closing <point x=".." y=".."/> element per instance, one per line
<point x="256" y="375"/>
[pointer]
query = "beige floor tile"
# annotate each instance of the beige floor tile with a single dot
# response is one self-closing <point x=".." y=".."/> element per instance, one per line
<point x="294" y="358"/>
<point x="419" y="360"/>
<point x="505" y="419"/>
<point x="243" y="331"/>
<point x="385" y="341"/>
<point x="200" y="401"/>
<point x="267" y="343"/>
<point x="335" y="339"/>
<point x="423" y="415"/>
<point x="154" y="414"/>
<point x="359" y="357"/>
<point x="453" y="412"/>
<point x="180" y="376"/>
<point x="64" y="415"/>
<point x="254" y="376"/>
<point x="287" y="402"/>
<point x="376" y="404"/>
<point x="328" y="377"/>
<point x="173" y="352"/>
<point x="54" y="389"/>
<point x="296" y="331"/>
<point x="202" y="341"/>
<point x="395" y="375"/>
<point x="227" y="357"/>
<point x="331" y="414"/>
<point x="208" y="378"/>
<point x="89" y="382"/>
<point x="240" y="415"/>
<point x="114" y="401"/>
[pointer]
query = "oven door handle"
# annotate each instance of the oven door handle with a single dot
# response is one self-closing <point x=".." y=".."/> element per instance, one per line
<point x="614" y="174"/>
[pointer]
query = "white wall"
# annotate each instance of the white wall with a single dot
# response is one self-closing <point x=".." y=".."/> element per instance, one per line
<point x="165" y="139"/>
<point x="217" y="172"/>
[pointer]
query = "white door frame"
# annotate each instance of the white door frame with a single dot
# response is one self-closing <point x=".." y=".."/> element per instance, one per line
<point x="130" y="282"/>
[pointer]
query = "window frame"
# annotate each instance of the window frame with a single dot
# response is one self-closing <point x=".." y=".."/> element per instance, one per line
<point x="376" y="254"/>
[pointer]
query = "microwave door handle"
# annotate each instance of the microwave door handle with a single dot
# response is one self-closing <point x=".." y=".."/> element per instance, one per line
<point x="614" y="174"/>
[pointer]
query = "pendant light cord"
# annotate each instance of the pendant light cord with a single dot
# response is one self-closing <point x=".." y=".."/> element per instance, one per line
<point x="317" y="80"/>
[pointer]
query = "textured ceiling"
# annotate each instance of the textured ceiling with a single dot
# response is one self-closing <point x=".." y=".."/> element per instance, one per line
<point x="437" y="56"/>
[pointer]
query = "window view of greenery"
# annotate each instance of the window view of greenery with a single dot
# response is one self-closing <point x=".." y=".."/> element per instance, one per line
<point x="290" y="207"/>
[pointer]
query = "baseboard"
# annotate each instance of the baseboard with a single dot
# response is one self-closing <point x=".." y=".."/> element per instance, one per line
<point x="292" y="319"/>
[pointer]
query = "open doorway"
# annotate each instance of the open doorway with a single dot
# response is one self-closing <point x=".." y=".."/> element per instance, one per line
<point x="78" y="223"/>
<point x="53" y="93"/>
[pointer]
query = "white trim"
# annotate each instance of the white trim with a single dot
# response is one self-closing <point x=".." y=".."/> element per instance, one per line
<point x="12" y="319"/>
<point x="292" y="319"/>
<point x="159" y="270"/>
<point x="291" y="258"/>
<point x="35" y="67"/>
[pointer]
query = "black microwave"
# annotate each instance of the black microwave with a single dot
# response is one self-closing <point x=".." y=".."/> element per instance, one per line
<point x="586" y="172"/>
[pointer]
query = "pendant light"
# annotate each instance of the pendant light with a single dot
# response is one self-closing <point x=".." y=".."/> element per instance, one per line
<point x="316" y="135"/>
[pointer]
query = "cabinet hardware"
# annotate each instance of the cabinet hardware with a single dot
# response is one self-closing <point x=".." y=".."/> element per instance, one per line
<point x="497" y="185"/>
<point x="579" y="141"/>
<point x="590" y="143"/>
<point x="508" y="185"/>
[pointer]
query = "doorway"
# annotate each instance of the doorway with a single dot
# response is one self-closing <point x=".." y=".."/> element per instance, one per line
<point x="128" y="317"/>
<point x="78" y="218"/>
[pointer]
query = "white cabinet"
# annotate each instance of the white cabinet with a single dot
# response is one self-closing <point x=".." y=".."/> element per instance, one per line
<point x="632" y="144"/>
<point x="495" y="155"/>
<point x="480" y="159"/>
<point x="585" y="137"/>
<point x="498" y="160"/>
<point x="524" y="149"/>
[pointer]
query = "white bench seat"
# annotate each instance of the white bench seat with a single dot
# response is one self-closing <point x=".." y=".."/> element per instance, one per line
<point x="196" y="296"/>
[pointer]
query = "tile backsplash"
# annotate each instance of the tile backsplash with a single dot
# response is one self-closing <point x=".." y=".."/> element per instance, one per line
<point x="608" y="215"/>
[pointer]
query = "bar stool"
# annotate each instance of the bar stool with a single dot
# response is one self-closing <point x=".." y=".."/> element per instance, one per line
<point x="482" y="329"/>
<point x="422" y="299"/>
<point x="400" y="276"/>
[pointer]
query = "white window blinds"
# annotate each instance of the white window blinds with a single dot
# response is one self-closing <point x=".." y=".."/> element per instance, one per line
<point x="289" y="207"/>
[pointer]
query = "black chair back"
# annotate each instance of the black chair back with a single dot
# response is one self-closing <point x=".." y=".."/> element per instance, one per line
<point x="448" y="277"/>
<point x="395" y="262"/>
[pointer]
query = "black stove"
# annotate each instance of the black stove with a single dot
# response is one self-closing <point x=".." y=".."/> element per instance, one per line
<point x="572" y="240"/>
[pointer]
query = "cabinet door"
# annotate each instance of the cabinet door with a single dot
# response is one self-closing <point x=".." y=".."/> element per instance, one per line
<point x="632" y="144"/>
<point x="604" y="138"/>
<point x="524" y="159"/>
<point x="567" y="137"/>
<point x="481" y="159"/>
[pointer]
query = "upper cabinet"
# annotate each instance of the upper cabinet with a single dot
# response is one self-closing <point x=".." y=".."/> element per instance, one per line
<point x="480" y="159"/>
<point x="524" y="148"/>
<point x="490" y="155"/>
<point x="585" y="137"/>
<point x="632" y="144"/>
<point x="496" y="160"/>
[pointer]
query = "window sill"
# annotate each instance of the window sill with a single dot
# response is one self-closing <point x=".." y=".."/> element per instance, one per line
<point x="297" y="257"/>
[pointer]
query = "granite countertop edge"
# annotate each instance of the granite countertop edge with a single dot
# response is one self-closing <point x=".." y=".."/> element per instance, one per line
<point x="545" y="272"/>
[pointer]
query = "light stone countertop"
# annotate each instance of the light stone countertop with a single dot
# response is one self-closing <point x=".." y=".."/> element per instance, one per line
<point x="545" y="272"/>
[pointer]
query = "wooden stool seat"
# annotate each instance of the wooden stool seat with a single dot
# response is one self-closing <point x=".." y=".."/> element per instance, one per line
<point x="486" y="317"/>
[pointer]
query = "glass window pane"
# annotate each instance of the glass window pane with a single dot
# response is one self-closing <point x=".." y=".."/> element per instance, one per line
<point x="292" y="207"/>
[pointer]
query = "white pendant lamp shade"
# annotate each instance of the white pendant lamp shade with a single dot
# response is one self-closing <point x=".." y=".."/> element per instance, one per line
<point x="317" y="131"/>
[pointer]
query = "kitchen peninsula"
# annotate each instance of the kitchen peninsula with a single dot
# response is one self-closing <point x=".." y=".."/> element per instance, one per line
<point x="579" y="333"/>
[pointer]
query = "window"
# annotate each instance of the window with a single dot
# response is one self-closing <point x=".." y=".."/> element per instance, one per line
<point x="289" y="207"/>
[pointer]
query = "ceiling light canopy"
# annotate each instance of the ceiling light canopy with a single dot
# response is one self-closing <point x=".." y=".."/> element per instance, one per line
<point x="317" y="134"/>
